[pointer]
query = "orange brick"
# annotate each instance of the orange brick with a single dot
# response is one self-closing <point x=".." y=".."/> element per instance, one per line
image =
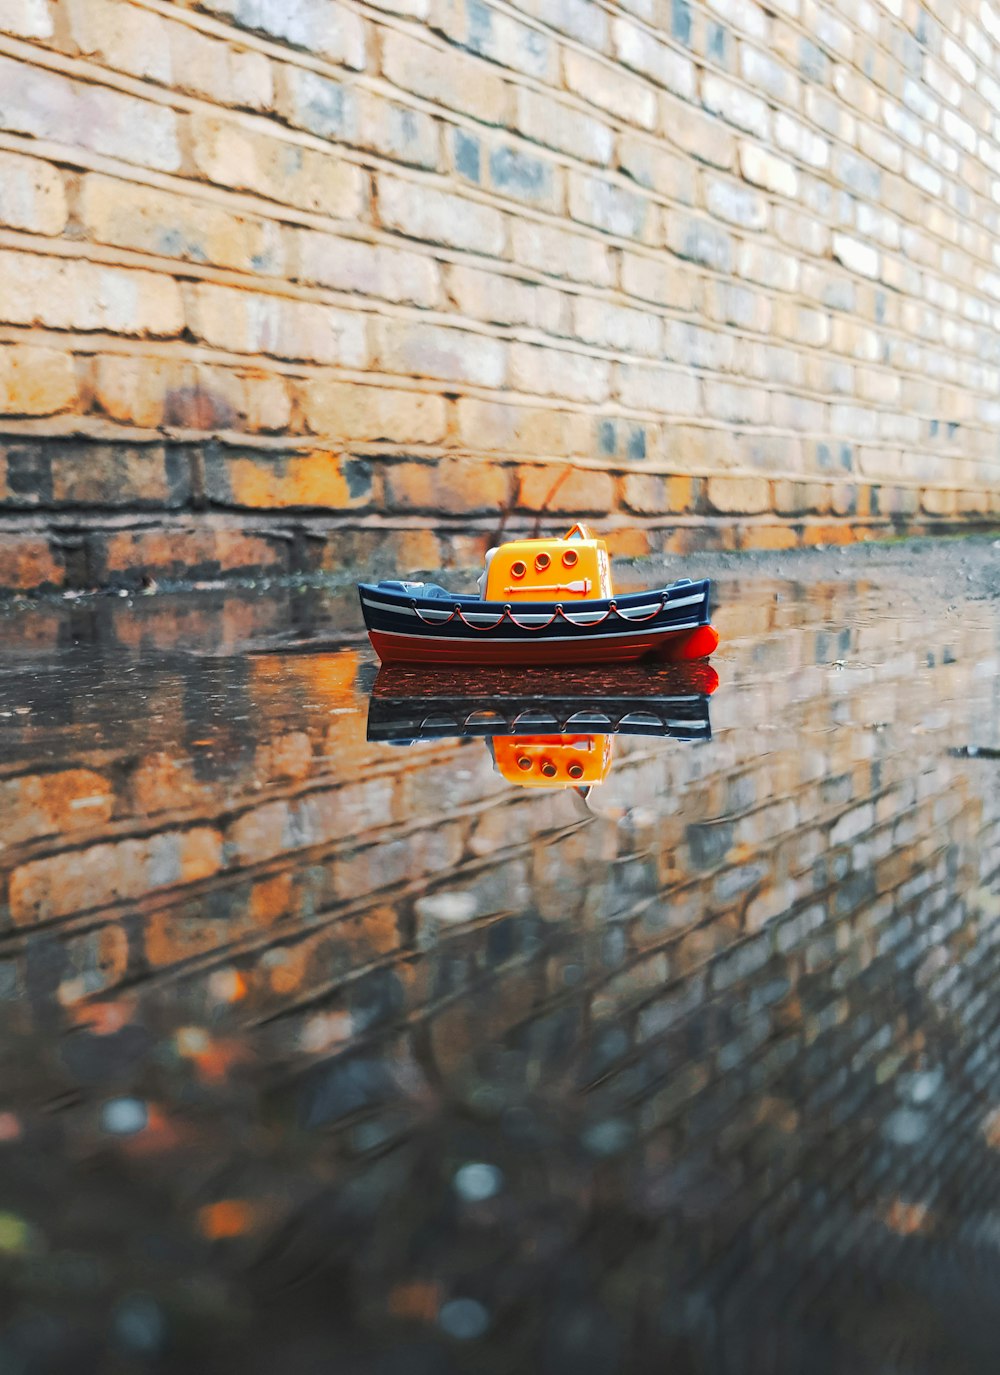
<point x="565" y="489"/>
<point x="349" y="410"/>
<point x="828" y="534"/>
<point x="320" y="480"/>
<point x="149" y="220"/>
<point x="768" y="537"/>
<point x="246" y="159"/>
<point x="448" y="485"/>
<point x="53" y="804"/>
<point x="628" y="543"/>
<point x="36" y="381"/>
<point x="63" y="884"/>
<point x="745" y="495"/>
<point x="27" y="563"/>
<point x="32" y="195"/>
<point x="191" y="553"/>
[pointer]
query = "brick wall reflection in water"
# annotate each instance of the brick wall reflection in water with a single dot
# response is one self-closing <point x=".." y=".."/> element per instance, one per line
<point x="727" y="1037"/>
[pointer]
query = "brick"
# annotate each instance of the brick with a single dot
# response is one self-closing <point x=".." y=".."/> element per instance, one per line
<point x="447" y="78"/>
<point x="390" y="274"/>
<point x="505" y="300"/>
<point x="113" y="872"/>
<point x="620" y="328"/>
<point x="739" y="405"/>
<point x="735" y="105"/>
<point x="562" y="126"/>
<point x="764" y="169"/>
<point x="584" y="20"/>
<point x="250" y="322"/>
<point x="122" y="37"/>
<point x="740" y="495"/>
<point x="32" y="196"/>
<point x="136" y="390"/>
<point x="452" y="355"/>
<point x="798" y="139"/>
<point x="457" y="485"/>
<point x="768" y="267"/>
<point x="319" y="104"/>
<point x="322" y="27"/>
<point x="744" y="15"/>
<point x="490" y="33"/>
<point x="573" y="491"/>
<point x="660" y="280"/>
<point x="763" y="73"/>
<point x="513" y="429"/>
<point x="252" y="159"/>
<point x="102" y="475"/>
<point x="515" y="173"/>
<point x="730" y="304"/>
<point x="856" y="256"/>
<point x="700" y="241"/>
<point x="179" y="554"/>
<point x="28" y="564"/>
<point x="555" y="372"/>
<point x="70" y="293"/>
<point x="218" y="71"/>
<point x="611" y="208"/>
<point x="54" y="804"/>
<point x="420" y="212"/>
<point x="642" y="53"/>
<point x="350" y="411"/>
<point x="647" y="162"/>
<point x="26" y="18"/>
<point x="699" y="348"/>
<point x="736" y="204"/>
<point x="398" y="132"/>
<point x="561" y="253"/>
<point x="128" y="215"/>
<point x="45" y="104"/>
<point x="36" y="381"/>
<point x="667" y="391"/>
<point x="605" y="86"/>
<point x="697" y="133"/>
<point x="650" y="494"/>
<point x="321" y="481"/>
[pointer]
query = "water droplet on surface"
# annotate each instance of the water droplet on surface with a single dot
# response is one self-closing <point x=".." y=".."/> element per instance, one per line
<point x="607" y="1138"/>
<point x="464" y="1319"/>
<point x="477" y="1182"/>
<point x="906" y="1127"/>
<point x="139" y="1323"/>
<point x="124" y="1116"/>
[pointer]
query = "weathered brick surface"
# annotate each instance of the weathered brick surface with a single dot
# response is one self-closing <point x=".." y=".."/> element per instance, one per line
<point x="758" y="238"/>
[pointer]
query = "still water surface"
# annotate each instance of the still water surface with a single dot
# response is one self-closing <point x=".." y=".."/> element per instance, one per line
<point x="322" y="1053"/>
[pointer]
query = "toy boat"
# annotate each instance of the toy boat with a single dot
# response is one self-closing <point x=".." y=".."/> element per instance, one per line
<point x="541" y="732"/>
<point x="541" y="602"/>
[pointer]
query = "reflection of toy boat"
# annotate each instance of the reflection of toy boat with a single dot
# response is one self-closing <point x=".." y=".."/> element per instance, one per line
<point x="543" y="602"/>
<point x="407" y="704"/>
<point x="543" y="730"/>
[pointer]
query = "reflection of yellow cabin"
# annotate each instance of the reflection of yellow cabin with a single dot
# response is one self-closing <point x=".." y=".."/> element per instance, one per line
<point x="549" y="570"/>
<point x="553" y="761"/>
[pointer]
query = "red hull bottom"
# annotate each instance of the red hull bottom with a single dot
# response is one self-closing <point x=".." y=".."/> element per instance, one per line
<point x="678" y="647"/>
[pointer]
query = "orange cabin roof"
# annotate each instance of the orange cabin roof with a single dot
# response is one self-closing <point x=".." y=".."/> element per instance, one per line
<point x="574" y="568"/>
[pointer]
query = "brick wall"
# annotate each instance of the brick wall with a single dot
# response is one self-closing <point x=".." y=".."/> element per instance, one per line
<point x="284" y="286"/>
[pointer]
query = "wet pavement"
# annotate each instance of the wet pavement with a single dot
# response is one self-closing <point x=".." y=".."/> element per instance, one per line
<point x="323" y="1052"/>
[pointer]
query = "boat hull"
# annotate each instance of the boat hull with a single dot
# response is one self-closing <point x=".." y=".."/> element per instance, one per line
<point x="410" y="625"/>
<point x="674" y="646"/>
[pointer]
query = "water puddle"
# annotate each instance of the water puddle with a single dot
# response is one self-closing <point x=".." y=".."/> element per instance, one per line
<point x="594" y="1022"/>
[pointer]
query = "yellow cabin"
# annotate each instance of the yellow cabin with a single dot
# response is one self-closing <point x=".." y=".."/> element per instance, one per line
<point x="553" y="761"/>
<point x="575" y="568"/>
